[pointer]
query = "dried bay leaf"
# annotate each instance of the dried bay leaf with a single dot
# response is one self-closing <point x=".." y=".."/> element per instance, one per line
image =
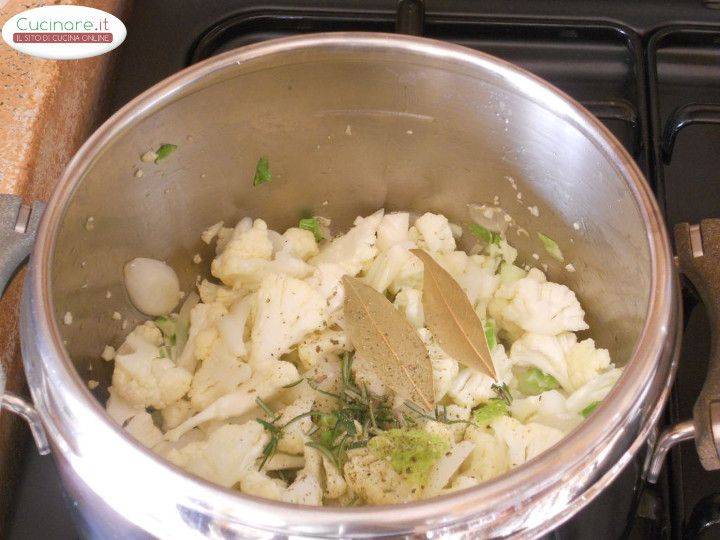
<point x="384" y="338"/>
<point x="451" y="318"/>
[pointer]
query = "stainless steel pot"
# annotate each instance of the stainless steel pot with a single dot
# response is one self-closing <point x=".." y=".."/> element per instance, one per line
<point x="433" y="126"/>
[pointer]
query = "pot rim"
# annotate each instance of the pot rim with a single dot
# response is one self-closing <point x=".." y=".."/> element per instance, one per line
<point x="532" y="478"/>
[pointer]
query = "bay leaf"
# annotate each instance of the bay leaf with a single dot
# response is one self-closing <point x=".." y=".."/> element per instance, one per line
<point x="451" y="318"/>
<point x="384" y="338"/>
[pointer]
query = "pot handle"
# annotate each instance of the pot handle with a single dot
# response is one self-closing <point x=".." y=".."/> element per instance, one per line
<point x="18" y="227"/>
<point x="698" y="253"/>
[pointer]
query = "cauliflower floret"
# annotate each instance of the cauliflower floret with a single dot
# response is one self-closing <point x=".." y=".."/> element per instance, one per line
<point x="353" y="249"/>
<point x="247" y="246"/>
<point x="219" y="373"/>
<point x="409" y="301"/>
<point x="375" y="480"/>
<point x="335" y="485"/>
<point x="226" y="456"/>
<point x="211" y="292"/>
<point x="543" y="307"/>
<point x="211" y="232"/>
<point x="584" y="362"/>
<point x="454" y="262"/>
<point x="435" y="232"/>
<point x="488" y="459"/>
<point x="288" y="309"/>
<point x="294" y="435"/>
<point x="142" y="428"/>
<point x="479" y="283"/>
<point x="202" y="317"/>
<point x="264" y="383"/>
<point x="385" y="268"/>
<point x="259" y="484"/>
<point x="470" y="388"/>
<point x="410" y="276"/>
<point x="232" y="327"/>
<point x="393" y="229"/>
<point x="306" y="489"/>
<point x="524" y="441"/>
<point x="327" y="280"/>
<point x="142" y="377"/>
<point x="594" y="390"/>
<point x="548" y="408"/>
<point x="318" y="346"/>
<point x="503" y="251"/>
<point x="176" y="413"/>
<point x="120" y="410"/>
<point x="301" y="242"/>
<point x="445" y="368"/>
<point x="547" y="353"/>
<point x="446" y="467"/>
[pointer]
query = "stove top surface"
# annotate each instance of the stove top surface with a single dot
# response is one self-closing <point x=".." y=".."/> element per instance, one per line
<point x="650" y="70"/>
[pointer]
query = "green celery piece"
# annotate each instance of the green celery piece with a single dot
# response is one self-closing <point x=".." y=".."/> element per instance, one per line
<point x="533" y="381"/>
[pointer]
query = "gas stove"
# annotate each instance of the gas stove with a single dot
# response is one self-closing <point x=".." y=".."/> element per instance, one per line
<point x="650" y="70"/>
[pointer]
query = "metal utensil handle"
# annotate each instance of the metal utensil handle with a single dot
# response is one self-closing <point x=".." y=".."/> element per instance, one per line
<point x="698" y="253"/>
<point x="18" y="227"/>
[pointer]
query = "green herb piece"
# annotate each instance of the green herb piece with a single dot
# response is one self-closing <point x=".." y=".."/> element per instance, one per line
<point x="312" y="225"/>
<point x="265" y="407"/>
<point x="490" y="334"/>
<point x="487" y="412"/>
<point x="551" y="247"/>
<point x="587" y="411"/>
<point x="262" y="172"/>
<point x="532" y="382"/>
<point x="164" y="151"/>
<point x="486" y="235"/>
<point x="503" y="392"/>
<point x="294" y="384"/>
<point x="411" y="452"/>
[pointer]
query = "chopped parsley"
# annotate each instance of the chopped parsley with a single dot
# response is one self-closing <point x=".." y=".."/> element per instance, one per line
<point x="486" y="235"/>
<point x="164" y="151"/>
<point x="262" y="172"/>
<point x="551" y="247"/>
<point x="313" y="225"/>
<point x="587" y="411"/>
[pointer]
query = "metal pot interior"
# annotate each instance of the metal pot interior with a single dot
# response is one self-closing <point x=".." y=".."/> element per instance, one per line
<point x="427" y="133"/>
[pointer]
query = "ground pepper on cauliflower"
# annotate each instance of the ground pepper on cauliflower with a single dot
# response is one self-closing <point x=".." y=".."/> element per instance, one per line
<point x="253" y="385"/>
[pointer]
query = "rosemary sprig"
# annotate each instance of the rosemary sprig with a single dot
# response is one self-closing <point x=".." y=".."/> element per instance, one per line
<point x="503" y="392"/>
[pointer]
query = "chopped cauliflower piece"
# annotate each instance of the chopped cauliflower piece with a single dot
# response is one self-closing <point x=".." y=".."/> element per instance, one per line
<point x="409" y="301"/>
<point x="245" y="250"/>
<point x="375" y="480"/>
<point x="386" y="267"/>
<point x="301" y="242"/>
<point x="445" y="368"/>
<point x="585" y="362"/>
<point x="287" y="310"/>
<point x="226" y="456"/>
<point x="436" y="233"/>
<point x="543" y="307"/>
<point x="547" y="353"/>
<point x="142" y="377"/>
<point x="318" y="346"/>
<point x="393" y="230"/>
<point x="353" y="249"/>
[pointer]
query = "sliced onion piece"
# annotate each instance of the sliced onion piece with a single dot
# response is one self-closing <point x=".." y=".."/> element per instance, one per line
<point x="153" y="286"/>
